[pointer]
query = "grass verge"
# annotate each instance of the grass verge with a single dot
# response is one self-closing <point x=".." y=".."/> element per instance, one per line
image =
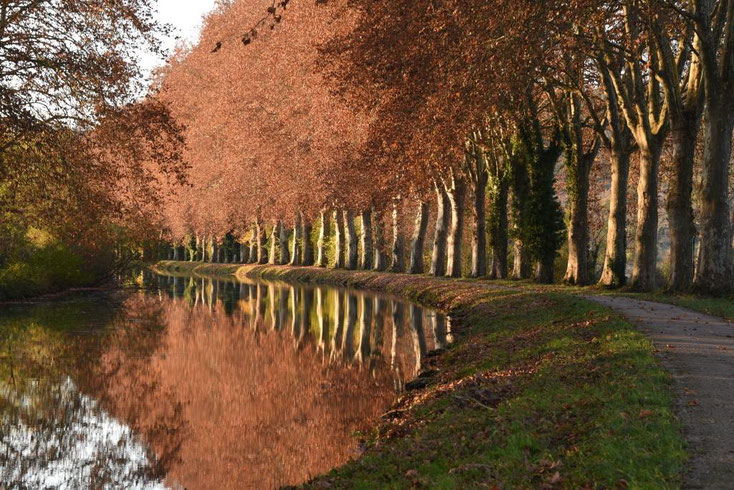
<point x="539" y="389"/>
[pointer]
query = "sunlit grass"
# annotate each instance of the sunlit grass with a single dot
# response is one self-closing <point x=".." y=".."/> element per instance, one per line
<point x="541" y="388"/>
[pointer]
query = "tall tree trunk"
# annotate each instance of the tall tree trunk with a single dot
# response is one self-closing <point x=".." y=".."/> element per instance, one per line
<point x="397" y="262"/>
<point x="296" y="258"/>
<point x="498" y="235"/>
<point x="614" y="273"/>
<point x="544" y="272"/>
<point x="351" y="239"/>
<point x="324" y="233"/>
<point x="479" y="228"/>
<point x="274" y="238"/>
<point x="253" y="245"/>
<point x="456" y="232"/>
<point x="366" y="239"/>
<point x="339" y="240"/>
<point x="417" y="243"/>
<point x="440" y="236"/>
<point x="679" y="205"/>
<point x="521" y="261"/>
<point x="577" y="268"/>
<point x="646" y="235"/>
<point x="244" y="253"/>
<point x="306" y="241"/>
<point x="262" y="252"/>
<point x="714" y="271"/>
<point x="380" y="254"/>
<point x="283" y="245"/>
<point x="215" y="251"/>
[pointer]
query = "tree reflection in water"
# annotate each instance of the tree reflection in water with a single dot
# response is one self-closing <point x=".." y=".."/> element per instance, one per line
<point x="235" y="385"/>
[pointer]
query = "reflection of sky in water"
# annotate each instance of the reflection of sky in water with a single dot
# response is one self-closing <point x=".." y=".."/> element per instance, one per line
<point x="202" y="383"/>
<point x="78" y="445"/>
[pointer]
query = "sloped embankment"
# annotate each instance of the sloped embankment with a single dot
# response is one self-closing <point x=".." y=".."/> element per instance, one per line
<point x="537" y="390"/>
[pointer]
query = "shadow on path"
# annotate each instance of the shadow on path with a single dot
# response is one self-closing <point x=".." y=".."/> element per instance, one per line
<point x="699" y="351"/>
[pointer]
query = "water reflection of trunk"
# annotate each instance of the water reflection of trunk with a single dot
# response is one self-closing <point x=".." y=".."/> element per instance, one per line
<point x="244" y="300"/>
<point x="211" y="293"/>
<point x="378" y="331"/>
<point x="202" y="291"/>
<point x="398" y="317"/>
<point x="260" y="307"/>
<point x="274" y="325"/>
<point x="323" y="326"/>
<point x="351" y="319"/>
<point x="365" y="324"/>
<point x="294" y="312"/>
<point x="190" y="292"/>
<point x="306" y="302"/>
<point x="438" y="325"/>
<point x="229" y="297"/>
<point x="282" y="308"/>
<point x="419" y="336"/>
<point x="335" y="339"/>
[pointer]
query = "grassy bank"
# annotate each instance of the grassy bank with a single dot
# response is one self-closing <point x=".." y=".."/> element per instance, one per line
<point x="539" y="389"/>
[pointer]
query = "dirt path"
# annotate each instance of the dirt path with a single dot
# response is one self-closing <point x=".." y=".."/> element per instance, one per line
<point x="699" y="351"/>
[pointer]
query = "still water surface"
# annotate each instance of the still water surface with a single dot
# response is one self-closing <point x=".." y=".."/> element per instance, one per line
<point x="199" y="383"/>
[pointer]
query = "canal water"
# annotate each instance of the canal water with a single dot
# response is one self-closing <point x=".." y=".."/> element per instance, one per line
<point x="189" y="382"/>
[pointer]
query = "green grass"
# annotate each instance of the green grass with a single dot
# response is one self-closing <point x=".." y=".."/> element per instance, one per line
<point x="549" y="390"/>
<point x="722" y="307"/>
<point x="540" y="389"/>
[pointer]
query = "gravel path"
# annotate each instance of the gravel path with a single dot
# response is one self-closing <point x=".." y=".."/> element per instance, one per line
<point x="699" y="352"/>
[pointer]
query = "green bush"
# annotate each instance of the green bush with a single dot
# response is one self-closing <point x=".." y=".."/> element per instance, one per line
<point x="47" y="269"/>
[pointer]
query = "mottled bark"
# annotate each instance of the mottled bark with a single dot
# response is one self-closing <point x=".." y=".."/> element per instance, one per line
<point x="283" y="245"/>
<point x="366" y="260"/>
<point x="262" y="252"/>
<point x="456" y="232"/>
<point x="215" y="251"/>
<point x="244" y="253"/>
<point x="679" y="205"/>
<point x="521" y="261"/>
<point x="417" y="242"/>
<point x="274" y="238"/>
<point x="440" y="236"/>
<point x="714" y="271"/>
<point x="479" y="225"/>
<point x="296" y="257"/>
<point x="306" y="247"/>
<point x="577" y="267"/>
<point x="544" y="272"/>
<point x="579" y="161"/>
<point x="646" y="235"/>
<point x="380" y="254"/>
<point x="324" y="233"/>
<point x="397" y="262"/>
<point x="614" y="273"/>
<point x="338" y="240"/>
<point x="352" y="251"/>
<point x="498" y="234"/>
